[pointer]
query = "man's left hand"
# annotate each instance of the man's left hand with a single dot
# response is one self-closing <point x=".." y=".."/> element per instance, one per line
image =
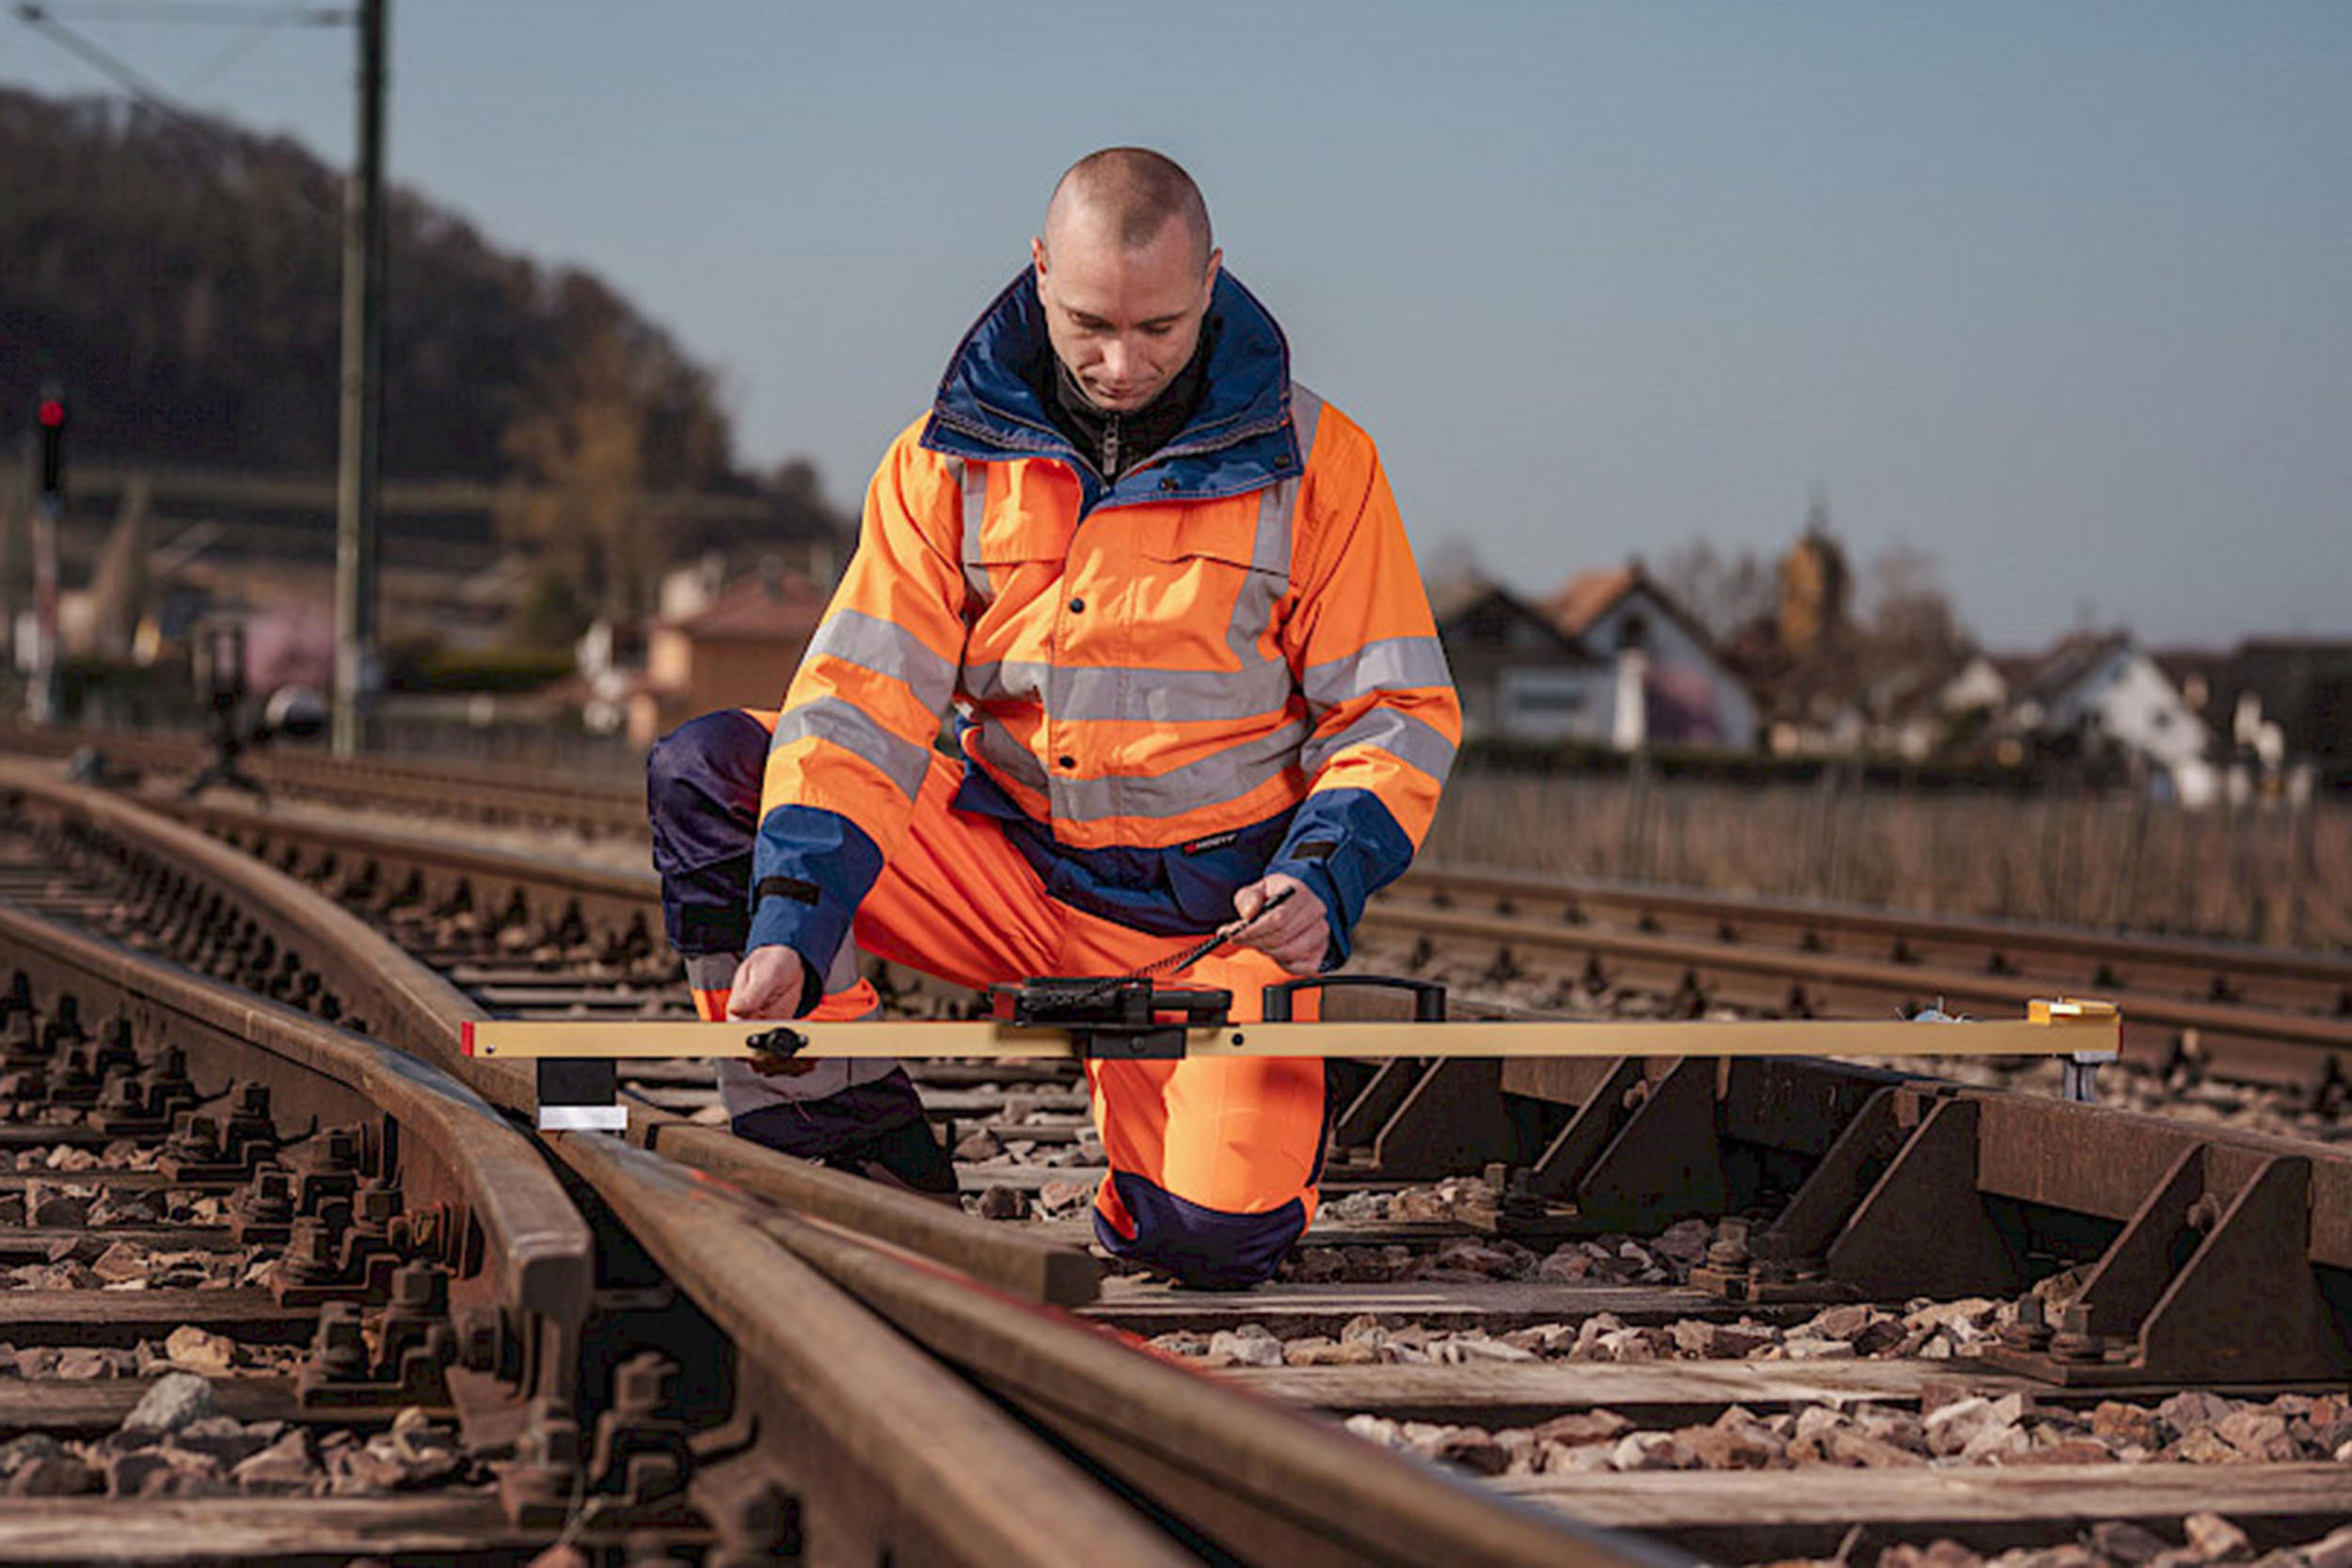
<point x="1294" y="933"/>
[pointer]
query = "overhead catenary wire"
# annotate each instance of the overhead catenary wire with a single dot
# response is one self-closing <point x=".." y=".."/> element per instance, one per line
<point x="151" y="95"/>
<point x="204" y="15"/>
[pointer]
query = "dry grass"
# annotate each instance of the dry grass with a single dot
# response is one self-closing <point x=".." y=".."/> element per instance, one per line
<point x="2268" y="873"/>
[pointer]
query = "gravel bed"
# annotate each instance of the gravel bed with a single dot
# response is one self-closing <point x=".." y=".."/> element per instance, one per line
<point x="1952" y="1427"/>
<point x="177" y="1443"/>
<point x="2204" y="1538"/>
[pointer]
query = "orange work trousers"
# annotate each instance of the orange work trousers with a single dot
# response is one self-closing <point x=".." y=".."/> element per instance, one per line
<point x="1213" y="1162"/>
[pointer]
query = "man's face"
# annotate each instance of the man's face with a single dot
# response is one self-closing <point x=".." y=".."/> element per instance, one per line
<point x="1124" y="321"/>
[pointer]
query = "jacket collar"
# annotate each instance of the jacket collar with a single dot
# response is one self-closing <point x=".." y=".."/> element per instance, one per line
<point x="1239" y="438"/>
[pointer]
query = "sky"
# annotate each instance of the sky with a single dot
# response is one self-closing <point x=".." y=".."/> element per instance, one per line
<point x="2059" y="294"/>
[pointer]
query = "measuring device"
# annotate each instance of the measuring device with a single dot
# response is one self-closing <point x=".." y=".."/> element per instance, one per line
<point x="1129" y="1018"/>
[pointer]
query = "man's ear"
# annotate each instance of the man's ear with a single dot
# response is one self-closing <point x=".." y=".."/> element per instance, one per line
<point x="1037" y="255"/>
<point x="1208" y="284"/>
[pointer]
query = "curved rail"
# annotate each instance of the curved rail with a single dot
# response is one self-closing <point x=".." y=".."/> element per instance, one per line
<point x="993" y="1492"/>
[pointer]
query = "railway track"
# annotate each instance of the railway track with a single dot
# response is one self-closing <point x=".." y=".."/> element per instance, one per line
<point x="2244" y="1014"/>
<point x="1502" y="1323"/>
<point x="784" y="1416"/>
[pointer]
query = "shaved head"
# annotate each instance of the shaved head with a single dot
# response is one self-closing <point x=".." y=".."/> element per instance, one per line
<point x="1126" y="272"/>
<point x="1127" y="194"/>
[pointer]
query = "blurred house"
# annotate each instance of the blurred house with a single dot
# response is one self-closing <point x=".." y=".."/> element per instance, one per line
<point x="2100" y="694"/>
<point x="1673" y="685"/>
<point x="738" y="649"/>
<point x="1519" y="676"/>
<point x="2301" y="687"/>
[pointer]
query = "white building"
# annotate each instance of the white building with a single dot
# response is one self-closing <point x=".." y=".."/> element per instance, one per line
<point x="2107" y="692"/>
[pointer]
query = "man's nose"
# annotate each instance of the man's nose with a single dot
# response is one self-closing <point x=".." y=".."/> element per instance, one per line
<point x="1119" y="358"/>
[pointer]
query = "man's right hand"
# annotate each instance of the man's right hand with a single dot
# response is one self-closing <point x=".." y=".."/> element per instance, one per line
<point x="767" y="985"/>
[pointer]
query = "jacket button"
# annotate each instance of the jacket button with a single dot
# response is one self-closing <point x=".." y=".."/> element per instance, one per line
<point x="1067" y="762"/>
<point x="1077" y="607"/>
<point x="1167" y="481"/>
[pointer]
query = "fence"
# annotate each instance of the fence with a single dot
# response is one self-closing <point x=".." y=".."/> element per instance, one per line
<point x="2270" y="871"/>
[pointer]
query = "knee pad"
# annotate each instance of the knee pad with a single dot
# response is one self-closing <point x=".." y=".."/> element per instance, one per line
<point x="1206" y="1248"/>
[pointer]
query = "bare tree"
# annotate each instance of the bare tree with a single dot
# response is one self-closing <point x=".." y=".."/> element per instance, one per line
<point x="1724" y="592"/>
<point x="1907" y="617"/>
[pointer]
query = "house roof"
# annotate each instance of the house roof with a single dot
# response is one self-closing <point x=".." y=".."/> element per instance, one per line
<point x="1589" y="595"/>
<point x="783" y="606"/>
<point x="1453" y="595"/>
<point x="1455" y="603"/>
<point x="2069" y="660"/>
<point x="2180" y="665"/>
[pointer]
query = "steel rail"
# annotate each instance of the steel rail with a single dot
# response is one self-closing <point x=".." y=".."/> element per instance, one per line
<point x="2010" y="1151"/>
<point x="453" y="1146"/>
<point x="1746" y="915"/>
<point x="477" y="791"/>
<point x="620" y="903"/>
<point x="508" y="793"/>
<point x="402" y="1000"/>
<point x="1254" y="1477"/>
<point x="912" y="1456"/>
<point x="695" y="1227"/>
<point x="1827" y="979"/>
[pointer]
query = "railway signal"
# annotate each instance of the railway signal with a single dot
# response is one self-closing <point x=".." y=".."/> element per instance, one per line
<point x="40" y="687"/>
<point x="52" y="417"/>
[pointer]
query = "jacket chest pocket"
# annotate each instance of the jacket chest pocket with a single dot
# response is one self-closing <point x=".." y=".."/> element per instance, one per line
<point x="1016" y="534"/>
<point x="1215" y="584"/>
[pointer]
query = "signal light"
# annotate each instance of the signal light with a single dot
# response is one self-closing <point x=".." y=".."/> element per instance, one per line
<point x="51" y="443"/>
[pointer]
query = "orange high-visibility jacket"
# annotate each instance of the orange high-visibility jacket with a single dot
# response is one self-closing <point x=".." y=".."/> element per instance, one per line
<point x="1221" y="666"/>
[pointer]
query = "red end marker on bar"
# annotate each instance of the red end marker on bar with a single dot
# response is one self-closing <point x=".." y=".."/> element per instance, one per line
<point x="465" y="1036"/>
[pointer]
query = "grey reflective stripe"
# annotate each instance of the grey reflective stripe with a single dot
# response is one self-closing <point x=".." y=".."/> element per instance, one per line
<point x="1160" y="696"/>
<point x="870" y="643"/>
<point x="743" y="1089"/>
<point x="841" y="974"/>
<point x="1260" y="686"/>
<point x="1276" y="502"/>
<point x="1000" y="680"/>
<point x="712" y="971"/>
<point x="1400" y="735"/>
<point x="1391" y="664"/>
<point x="972" y="478"/>
<point x="1214" y="780"/>
<point x="1008" y="756"/>
<point x="853" y="729"/>
<point x="1270" y="551"/>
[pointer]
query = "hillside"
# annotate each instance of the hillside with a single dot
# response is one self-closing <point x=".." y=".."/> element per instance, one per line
<point x="185" y="288"/>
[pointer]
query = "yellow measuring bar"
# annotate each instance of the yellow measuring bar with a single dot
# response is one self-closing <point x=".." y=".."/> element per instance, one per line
<point x="2061" y="1028"/>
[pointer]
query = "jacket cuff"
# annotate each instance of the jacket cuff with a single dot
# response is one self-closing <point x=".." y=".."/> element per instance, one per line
<point x="810" y="870"/>
<point x="1344" y="845"/>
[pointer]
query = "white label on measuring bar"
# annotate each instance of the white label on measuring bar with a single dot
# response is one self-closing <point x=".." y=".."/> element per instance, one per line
<point x="583" y="1119"/>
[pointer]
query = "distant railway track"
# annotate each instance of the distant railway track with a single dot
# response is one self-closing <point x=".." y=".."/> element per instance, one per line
<point x="2244" y="1013"/>
<point x="2177" y="1249"/>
